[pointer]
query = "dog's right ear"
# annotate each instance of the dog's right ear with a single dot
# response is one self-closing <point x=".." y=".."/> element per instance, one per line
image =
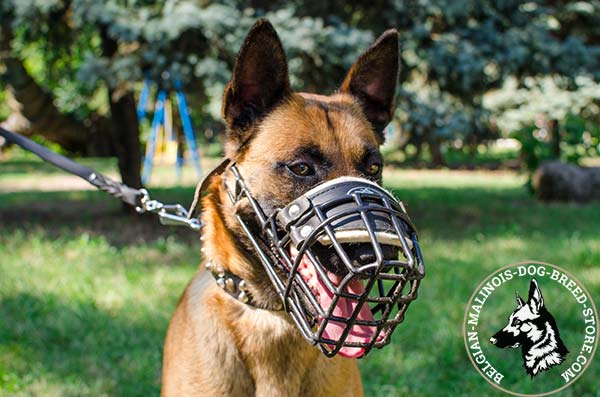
<point x="520" y="302"/>
<point x="259" y="82"/>
<point x="536" y="300"/>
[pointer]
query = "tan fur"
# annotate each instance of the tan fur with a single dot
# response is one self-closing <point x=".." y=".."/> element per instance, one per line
<point x="215" y="345"/>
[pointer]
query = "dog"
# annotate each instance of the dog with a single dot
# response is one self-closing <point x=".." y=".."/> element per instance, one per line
<point x="533" y="328"/>
<point x="284" y="143"/>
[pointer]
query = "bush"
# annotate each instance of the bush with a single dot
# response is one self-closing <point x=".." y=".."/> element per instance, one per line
<point x="577" y="138"/>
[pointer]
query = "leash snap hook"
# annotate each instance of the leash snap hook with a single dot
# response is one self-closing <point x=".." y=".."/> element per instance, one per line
<point x="168" y="214"/>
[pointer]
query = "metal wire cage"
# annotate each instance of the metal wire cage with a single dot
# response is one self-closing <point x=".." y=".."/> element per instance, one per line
<point x="375" y="295"/>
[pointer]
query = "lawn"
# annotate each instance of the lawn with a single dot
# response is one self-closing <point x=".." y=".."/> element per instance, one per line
<point x="86" y="294"/>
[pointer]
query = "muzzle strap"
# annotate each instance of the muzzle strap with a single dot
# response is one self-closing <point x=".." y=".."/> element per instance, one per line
<point x="202" y="187"/>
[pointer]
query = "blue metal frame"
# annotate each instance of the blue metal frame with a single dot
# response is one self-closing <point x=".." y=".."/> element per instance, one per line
<point x="158" y="120"/>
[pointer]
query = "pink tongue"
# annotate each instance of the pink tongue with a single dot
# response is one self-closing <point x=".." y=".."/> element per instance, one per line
<point x="344" y="308"/>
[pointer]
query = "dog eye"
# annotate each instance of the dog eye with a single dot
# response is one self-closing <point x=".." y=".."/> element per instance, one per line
<point x="301" y="169"/>
<point x="374" y="169"/>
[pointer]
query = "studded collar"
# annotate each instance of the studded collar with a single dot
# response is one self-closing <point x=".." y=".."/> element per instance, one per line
<point x="235" y="286"/>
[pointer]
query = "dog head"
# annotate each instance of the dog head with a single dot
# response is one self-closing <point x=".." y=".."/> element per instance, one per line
<point x="284" y="143"/>
<point x="526" y="322"/>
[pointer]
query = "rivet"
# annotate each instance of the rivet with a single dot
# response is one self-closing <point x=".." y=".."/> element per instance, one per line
<point x="202" y="250"/>
<point x="208" y="265"/>
<point x="242" y="297"/>
<point x="202" y="237"/>
<point x="305" y="231"/>
<point x="230" y="285"/>
<point x="221" y="282"/>
<point x="220" y="272"/>
<point x="294" y="209"/>
<point x="243" y="286"/>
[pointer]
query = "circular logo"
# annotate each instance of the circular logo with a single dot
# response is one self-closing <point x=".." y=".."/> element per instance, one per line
<point x="530" y="329"/>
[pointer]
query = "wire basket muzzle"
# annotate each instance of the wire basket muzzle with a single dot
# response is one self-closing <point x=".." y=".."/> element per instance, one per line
<point x="344" y="302"/>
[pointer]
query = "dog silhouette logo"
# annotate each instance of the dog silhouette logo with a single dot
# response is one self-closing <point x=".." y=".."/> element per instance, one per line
<point x="554" y="329"/>
<point x="533" y="328"/>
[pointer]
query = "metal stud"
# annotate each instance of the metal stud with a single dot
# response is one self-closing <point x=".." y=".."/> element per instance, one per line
<point x="221" y="282"/>
<point x="202" y="249"/>
<point x="208" y="266"/>
<point x="230" y="284"/>
<point x="305" y="231"/>
<point x="242" y="297"/>
<point x="220" y="271"/>
<point x="242" y="285"/>
<point x="294" y="209"/>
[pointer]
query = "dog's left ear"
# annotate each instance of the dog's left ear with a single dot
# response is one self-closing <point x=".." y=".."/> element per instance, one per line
<point x="536" y="300"/>
<point x="373" y="79"/>
<point x="259" y="82"/>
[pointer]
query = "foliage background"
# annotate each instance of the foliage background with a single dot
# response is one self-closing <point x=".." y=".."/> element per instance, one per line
<point x="472" y="71"/>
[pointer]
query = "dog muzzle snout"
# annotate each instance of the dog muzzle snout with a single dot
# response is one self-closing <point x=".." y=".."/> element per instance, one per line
<point x="345" y="260"/>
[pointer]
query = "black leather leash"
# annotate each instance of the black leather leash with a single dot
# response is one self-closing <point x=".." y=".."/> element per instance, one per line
<point x="169" y="214"/>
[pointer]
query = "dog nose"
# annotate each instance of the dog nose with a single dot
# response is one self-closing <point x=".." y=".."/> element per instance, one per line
<point x="364" y="254"/>
<point x="493" y="340"/>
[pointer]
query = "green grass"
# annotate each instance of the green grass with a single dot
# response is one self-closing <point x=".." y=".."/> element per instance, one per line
<point x="86" y="294"/>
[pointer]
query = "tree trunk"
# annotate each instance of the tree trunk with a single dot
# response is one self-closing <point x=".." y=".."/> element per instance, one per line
<point x="437" y="158"/>
<point x="124" y="122"/>
<point x="554" y="128"/>
<point x="125" y="134"/>
<point x="34" y="113"/>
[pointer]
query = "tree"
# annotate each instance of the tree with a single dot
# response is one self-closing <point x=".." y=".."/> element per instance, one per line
<point x="88" y="56"/>
<point x="86" y="50"/>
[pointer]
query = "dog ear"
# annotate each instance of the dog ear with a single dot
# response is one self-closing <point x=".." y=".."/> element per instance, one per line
<point x="520" y="302"/>
<point x="258" y="83"/>
<point x="535" y="300"/>
<point x="373" y="79"/>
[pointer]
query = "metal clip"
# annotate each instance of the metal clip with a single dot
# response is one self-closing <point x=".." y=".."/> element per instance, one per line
<point x="168" y="214"/>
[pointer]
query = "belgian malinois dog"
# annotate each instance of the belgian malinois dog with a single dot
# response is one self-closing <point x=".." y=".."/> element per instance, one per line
<point x="284" y="143"/>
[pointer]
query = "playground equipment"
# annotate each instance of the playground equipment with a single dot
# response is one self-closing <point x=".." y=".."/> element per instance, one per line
<point x="163" y="143"/>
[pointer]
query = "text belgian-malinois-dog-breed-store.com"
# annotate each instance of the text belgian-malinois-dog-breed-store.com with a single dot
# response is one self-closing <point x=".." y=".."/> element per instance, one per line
<point x="308" y="262"/>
